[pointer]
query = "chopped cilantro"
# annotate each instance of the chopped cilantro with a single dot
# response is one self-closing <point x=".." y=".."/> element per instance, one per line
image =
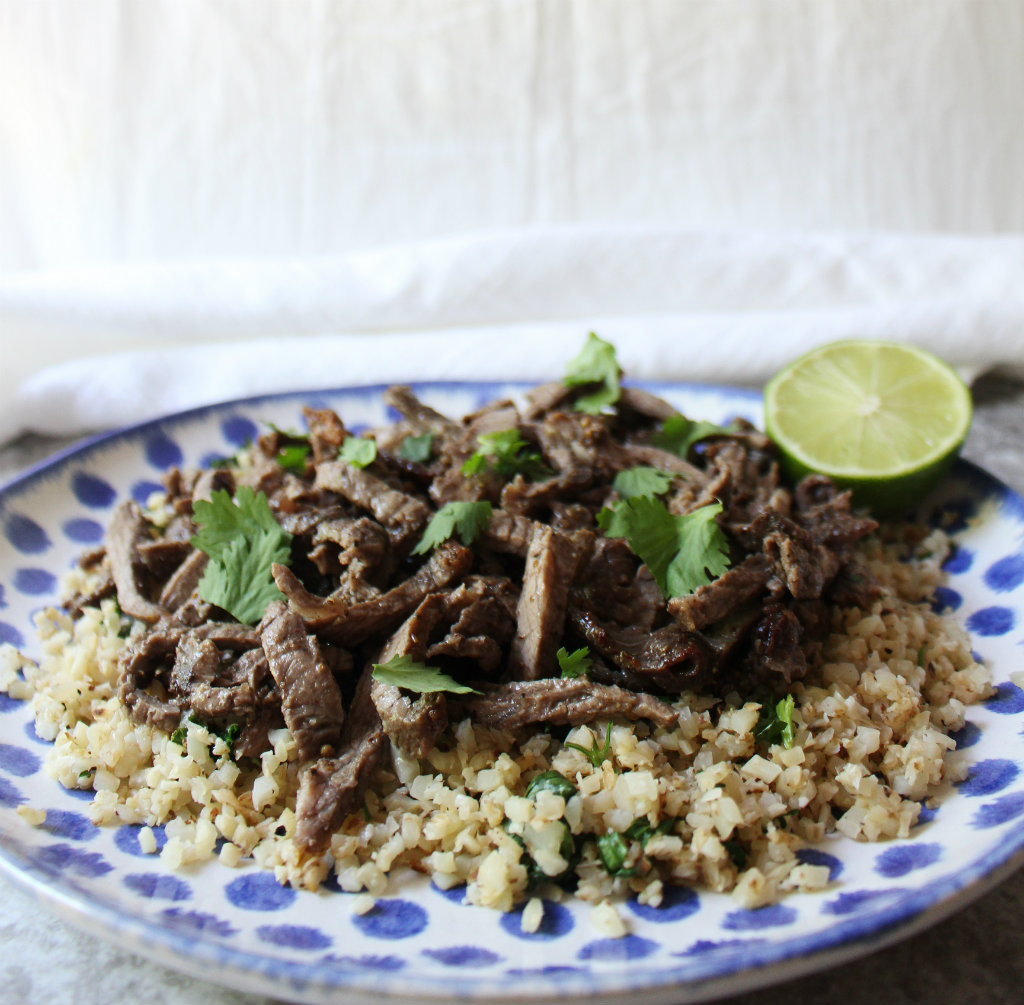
<point x="595" y="364"/>
<point x="417" y="448"/>
<point x="178" y="736"/>
<point x="467" y="519"/>
<point x="775" y="725"/>
<point x="613" y="850"/>
<point x="243" y="541"/>
<point x="679" y="434"/>
<point x="920" y="654"/>
<point x="293" y="457"/>
<point x="88" y="773"/>
<point x="597" y="755"/>
<point x="358" y="452"/>
<point x="642" y="831"/>
<point x="642" y="481"/>
<point x="737" y="853"/>
<point x="551" y="781"/>
<point x="504" y="453"/>
<point x="574" y="664"/>
<point x="682" y="552"/>
<point x="405" y="672"/>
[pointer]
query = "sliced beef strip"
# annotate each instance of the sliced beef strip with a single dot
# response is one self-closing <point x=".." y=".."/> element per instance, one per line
<point x="403" y="516"/>
<point x="212" y="688"/>
<point x="561" y="702"/>
<point x="184" y="581"/>
<point x="420" y="416"/>
<point x="76" y="603"/>
<point x="213" y="480"/>
<point x="126" y="532"/>
<point x="310" y="698"/>
<point x="326" y="433"/>
<point x="644" y="404"/>
<point x="362" y="550"/>
<point x="616" y="587"/>
<point x="412" y="723"/>
<point x="827" y="515"/>
<point x="777" y="643"/>
<point x="540" y="614"/>
<point x="483" y="615"/>
<point x="508" y="533"/>
<point x="350" y="624"/>
<point x="805" y="566"/>
<point x="719" y="598"/>
<point x="332" y="787"/>
<point x="669" y="659"/>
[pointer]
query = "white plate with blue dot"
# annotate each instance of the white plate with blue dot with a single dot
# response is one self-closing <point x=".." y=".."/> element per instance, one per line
<point x="239" y="927"/>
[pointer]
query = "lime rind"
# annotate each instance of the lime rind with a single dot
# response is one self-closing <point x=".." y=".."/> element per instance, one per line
<point x="885" y="419"/>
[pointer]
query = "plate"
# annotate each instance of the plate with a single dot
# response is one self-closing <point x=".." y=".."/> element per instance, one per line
<point x="239" y="927"/>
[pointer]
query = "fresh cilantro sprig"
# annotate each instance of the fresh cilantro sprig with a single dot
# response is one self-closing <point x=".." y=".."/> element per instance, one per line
<point x="573" y="664"/>
<point x="505" y="453"/>
<point x="679" y="434"/>
<point x="358" y="451"/>
<point x="597" y="754"/>
<point x="243" y="541"/>
<point x="682" y="552"/>
<point x="595" y="364"/>
<point x="551" y="781"/>
<point x="467" y="519"/>
<point x="407" y="673"/>
<point x="642" y="481"/>
<point x="417" y="448"/>
<point x="775" y="724"/>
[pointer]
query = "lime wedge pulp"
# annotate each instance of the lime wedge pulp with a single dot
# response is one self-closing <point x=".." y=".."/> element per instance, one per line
<point x="882" y="418"/>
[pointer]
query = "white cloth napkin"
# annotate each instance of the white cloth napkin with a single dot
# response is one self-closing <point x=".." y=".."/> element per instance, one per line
<point x="99" y="348"/>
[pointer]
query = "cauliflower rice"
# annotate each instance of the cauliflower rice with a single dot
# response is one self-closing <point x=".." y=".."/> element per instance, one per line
<point x="704" y="803"/>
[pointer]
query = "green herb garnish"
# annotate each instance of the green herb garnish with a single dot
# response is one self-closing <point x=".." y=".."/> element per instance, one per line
<point x="243" y="541"/>
<point x="613" y="850"/>
<point x="682" y="552"/>
<point x="293" y="457"/>
<point x="551" y="781"/>
<point x="642" y="831"/>
<point x="407" y="673"/>
<point x="642" y="481"/>
<point x="597" y="755"/>
<point x="595" y="364"/>
<point x="679" y="434"/>
<point x="417" y="448"/>
<point x="178" y="736"/>
<point x="358" y="452"/>
<point x="574" y="664"/>
<point x="467" y="519"/>
<point x="775" y="725"/>
<point x="504" y="453"/>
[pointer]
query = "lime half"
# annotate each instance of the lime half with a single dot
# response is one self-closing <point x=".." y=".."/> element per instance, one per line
<point x="881" y="418"/>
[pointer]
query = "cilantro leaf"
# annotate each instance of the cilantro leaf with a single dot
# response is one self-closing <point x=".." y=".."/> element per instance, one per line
<point x="597" y="755"/>
<point x="613" y="850"/>
<point x="467" y="519"/>
<point x="417" y="448"/>
<point x="682" y="552"/>
<point x="551" y="781"/>
<point x="595" y="364"/>
<point x="405" y="672"/>
<point x="504" y="452"/>
<point x="642" y="481"/>
<point x="243" y="541"/>
<point x="678" y="434"/>
<point x="293" y="457"/>
<point x="642" y="831"/>
<point x="358" y="452"/>
<point x="775" y="725"/>
<point x="574" y="664"/>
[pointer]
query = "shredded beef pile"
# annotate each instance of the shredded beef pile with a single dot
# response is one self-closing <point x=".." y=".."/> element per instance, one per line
<point x="493" y="615"/>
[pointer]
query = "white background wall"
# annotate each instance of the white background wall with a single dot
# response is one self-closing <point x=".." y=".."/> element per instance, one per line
<point x="185" y="129"/>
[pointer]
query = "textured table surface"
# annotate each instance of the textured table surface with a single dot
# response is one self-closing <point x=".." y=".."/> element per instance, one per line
<point x="977" y="955"/>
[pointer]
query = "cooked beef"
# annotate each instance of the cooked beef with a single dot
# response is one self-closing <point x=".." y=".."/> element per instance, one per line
<point x="669" y="659"/>
<point x="540" y="613"/>
<point x="326" y="433"/>
<point x="509" y="533"/>
<point x="420" y="417"/>
<point x="184" y="582"/>
<point x="212" y="687"/>
<point x="719" y="598"/>
<point x="128" y="529"/>
<point x="402" y="515"/>
<point x="560" y="702"/>
<point x="310" y="699"/>
<point x="616" y="587"/>
<point x="332" y="787"/>
<point x="642" y="403"/>
<point x="361" y="549"/>
<point x="482" y="612"/>
<point x="76" y="603"/>
<point x="350" y="624"/>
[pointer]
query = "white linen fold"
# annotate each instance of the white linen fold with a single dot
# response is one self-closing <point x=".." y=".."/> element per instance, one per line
<point x="111" y="345"/>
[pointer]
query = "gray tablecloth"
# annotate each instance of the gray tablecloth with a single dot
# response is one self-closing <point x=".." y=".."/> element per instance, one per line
<point x="977" y="955"/>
